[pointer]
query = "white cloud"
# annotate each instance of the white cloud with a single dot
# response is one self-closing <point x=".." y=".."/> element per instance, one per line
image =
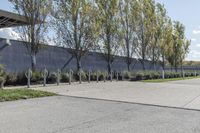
<point x="9" y="33"/>
<point x="196" y="32"/>
<point x="194" y="55"/>
<point x="198" y="45"/>
<point x="193" y="39"/>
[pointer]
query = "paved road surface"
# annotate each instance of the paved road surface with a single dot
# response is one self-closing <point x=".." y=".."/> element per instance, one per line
<point x="63" y="114"/>
<point x="182" y="94"/>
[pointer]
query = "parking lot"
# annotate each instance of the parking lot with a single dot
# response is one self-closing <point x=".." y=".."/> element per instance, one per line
<point x="111" y="107"/>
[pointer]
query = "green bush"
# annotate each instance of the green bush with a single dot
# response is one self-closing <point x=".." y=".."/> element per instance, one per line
<point x="21" y="79"/>
<point x="52" y="78"/>
<point x="140" y="75"/>
<point x="2" y="80"/>
<point x="177" y="75"/>
<point x="2" y="76"/>
<point x="11" y="79"/>
<point x="83" y="76"/>
<point x="64" y="77"/>
<point x="36" y="76"/>
<point x="146" y="75"/>
<point x="93" y="76"/>
<point x="127" y="75"/>
<point x="155" y="75"/>
<point x="101" y="76"/>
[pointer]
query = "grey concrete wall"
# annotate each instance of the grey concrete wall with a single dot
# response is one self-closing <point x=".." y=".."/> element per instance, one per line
<point x="16" y="58"/>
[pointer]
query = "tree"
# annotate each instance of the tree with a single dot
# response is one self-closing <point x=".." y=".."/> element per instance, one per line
<point x="109" y="41"/>
<point x="156" y="42"/>
<point x="146" y="29"/>
<point x="184" y="51"/>
<point x="35" y="13"/>
<point x="76" y="26"/>
<point x="166" y="44"/>
<point x="180" y="46"/>
<point x="129" y="13"/>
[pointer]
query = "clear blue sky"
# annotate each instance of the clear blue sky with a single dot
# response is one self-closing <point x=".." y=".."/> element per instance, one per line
<point x="185" y="11"/>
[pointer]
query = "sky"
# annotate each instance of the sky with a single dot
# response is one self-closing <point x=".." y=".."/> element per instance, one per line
<point x="185" y="11"/>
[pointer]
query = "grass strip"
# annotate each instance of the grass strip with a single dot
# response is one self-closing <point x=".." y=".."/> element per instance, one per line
<point x="17" y="94"/>
<point x="167" y="80"/>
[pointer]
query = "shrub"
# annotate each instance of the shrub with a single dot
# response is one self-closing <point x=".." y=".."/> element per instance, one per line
<point x="101" y="75"/>
<point x="139" y="75"/>
<point x="177" y="75"/>
<point x="64" y="77"/>
<point x="52" y="78"/>
<point x="11" y="79"/>
<point x="93" y="76"/>
<point x="36" y="76"/>
<point x="21" y="79"/>
<point x="127" y="75"/>
<point x="2" y="80"/>
<point x="167" y="75"/>
<point x="155" y="75"/>
<point x="83" y="76"/>
<point x="2" y="76"/>
<point x="187" y="74"/>
<point x="192" y="74"/>
<point x="146" y="75"/>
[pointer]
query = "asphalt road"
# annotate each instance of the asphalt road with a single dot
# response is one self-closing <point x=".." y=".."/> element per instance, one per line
<point x="62" y="114"/>
<point x="181" y="94"/>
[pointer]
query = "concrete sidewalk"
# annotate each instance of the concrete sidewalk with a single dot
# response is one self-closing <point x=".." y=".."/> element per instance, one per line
<point x="180" y="94"/>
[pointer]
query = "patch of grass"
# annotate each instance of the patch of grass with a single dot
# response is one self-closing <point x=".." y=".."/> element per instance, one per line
<point x="17" y="94"/>
<point x="167" y="80"/>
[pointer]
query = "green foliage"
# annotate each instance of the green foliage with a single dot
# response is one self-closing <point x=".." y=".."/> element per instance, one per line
<point x="36" y="13"/>
<point x="2" y="71"/>
<point x="167" y="80"/>
<point x="17" y="94"/>
<point x="2" y="76"/>
<point x="140" y="75"/>
<point x="155" y="75"/>
<point x="21" y="79"/>
<point x="52" y="77"/>
<point x="36" y="76"/>
<point x="11" y="79"/>
<point x="127" y="75"/>
<point x="83" y="76"/>
<point x="64" y="77"/>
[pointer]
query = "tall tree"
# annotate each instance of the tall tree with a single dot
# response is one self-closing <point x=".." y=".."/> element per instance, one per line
<point x="35" y="12"/>
<point x="158" y="32"/>
<point x="166" y="43"/>
<point x="146" y="26"/>
<point x="110" y="36"/>
<point x="76" y="26"/>
<point x="180" y="46"/>
<point x="129" y="13"/>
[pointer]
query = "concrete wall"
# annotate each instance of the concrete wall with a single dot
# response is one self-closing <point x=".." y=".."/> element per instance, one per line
<point x="15" y="58"/>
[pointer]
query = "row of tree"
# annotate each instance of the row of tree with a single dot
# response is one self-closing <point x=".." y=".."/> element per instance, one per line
<point x="130" y="28"/>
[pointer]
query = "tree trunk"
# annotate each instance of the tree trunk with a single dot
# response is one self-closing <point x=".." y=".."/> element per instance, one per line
<point x="78" y="64"/>
<point x="163" y="62"/>
<point x="33" y="62"/>
<point x="109" y="66"/>
<point x="128" y="53"/>
<point x="153" y="61"/>
<point x="128" y="66"/>
<point x="143" y="61"/>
